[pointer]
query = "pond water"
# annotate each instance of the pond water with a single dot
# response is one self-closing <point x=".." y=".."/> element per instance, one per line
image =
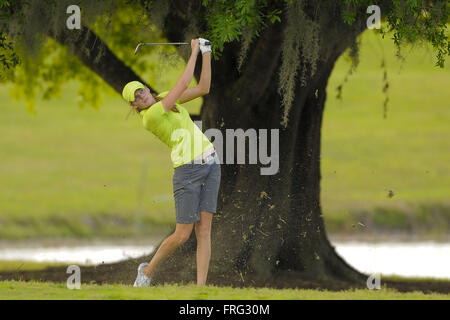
<point x="86" y="254"/>
<point x="423" y="259"/>
<point x="417" y="259"/>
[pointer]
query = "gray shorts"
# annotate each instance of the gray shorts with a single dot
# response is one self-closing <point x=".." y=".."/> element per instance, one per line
<point x="195" y="189"/>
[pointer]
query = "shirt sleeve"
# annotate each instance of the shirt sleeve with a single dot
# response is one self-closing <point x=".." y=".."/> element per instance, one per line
<point x="164" y="93"/>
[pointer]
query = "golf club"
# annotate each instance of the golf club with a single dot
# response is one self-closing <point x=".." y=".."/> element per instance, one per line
<point x="164" y="43"/>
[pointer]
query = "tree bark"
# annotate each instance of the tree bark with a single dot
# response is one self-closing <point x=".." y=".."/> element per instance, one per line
<point x="96" y="55"/>
<point x="269" y="226"/>
<point x="269" y="230"/>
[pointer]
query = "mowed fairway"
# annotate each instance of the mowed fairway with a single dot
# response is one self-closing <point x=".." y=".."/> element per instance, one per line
<point x="36" y="290"/>
<point x="89" y="173"/>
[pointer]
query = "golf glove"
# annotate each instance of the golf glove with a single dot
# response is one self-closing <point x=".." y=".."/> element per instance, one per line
<point x="203" y="47"/>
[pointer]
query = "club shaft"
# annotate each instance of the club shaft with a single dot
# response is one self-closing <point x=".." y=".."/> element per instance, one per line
<point x="163" y="43"/>
<point x="157" y="43"/>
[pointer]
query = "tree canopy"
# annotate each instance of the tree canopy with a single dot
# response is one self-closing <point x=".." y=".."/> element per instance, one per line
<point x="37" y="64"/>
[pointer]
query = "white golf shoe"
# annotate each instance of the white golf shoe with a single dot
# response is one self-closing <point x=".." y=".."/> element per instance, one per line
<point x="142" y="280"/>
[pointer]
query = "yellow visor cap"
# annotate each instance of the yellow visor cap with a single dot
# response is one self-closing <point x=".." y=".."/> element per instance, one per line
<point x="129" y="89"/>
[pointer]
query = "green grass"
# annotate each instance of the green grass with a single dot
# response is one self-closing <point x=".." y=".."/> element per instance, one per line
<point x="67" y="172"/>
<point x="37" y="290"/>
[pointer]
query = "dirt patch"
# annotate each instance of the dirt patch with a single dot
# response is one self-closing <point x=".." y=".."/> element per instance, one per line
<point x="425" y="286"/>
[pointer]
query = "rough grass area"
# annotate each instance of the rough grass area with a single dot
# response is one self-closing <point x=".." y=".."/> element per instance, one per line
<point x="39" y="290"/>
<point x="67" y="172"/>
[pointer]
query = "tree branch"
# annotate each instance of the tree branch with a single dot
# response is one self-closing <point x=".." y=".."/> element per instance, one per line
<point x="96" y="55"/>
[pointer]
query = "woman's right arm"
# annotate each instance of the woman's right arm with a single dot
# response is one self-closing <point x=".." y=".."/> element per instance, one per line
<point x="183" y="82"/>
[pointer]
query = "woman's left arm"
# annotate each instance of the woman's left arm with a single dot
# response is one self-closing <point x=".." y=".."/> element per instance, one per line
<point x="203" y="85"/>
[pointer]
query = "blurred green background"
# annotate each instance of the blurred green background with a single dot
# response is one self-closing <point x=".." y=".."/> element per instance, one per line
<point x="71" y="172"/>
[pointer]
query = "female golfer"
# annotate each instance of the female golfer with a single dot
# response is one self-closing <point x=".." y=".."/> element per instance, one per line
<point x="196" y="176"/>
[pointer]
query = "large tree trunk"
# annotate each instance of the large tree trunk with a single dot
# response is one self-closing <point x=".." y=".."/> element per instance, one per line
<point x="268" y="229"/>
<point x="269" y="225"/>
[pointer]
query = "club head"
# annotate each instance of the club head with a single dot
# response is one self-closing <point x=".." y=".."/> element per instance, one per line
<point x="137" y="48"/>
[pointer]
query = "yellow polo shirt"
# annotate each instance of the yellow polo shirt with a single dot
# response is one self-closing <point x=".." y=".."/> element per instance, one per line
<point x="176" y="130"/>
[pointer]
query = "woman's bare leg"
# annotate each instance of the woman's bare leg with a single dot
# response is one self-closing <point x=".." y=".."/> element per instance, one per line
<point x="172" y="242"/>
<point x="203" y="234"/>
